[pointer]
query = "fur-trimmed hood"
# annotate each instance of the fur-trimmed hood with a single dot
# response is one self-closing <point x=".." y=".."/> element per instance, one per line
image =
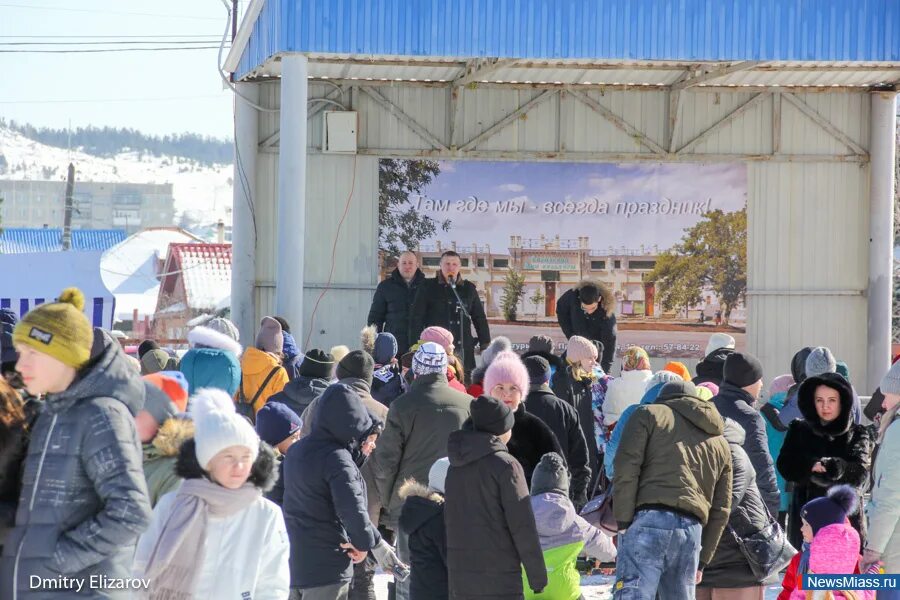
<point x="204" y="337"/>
<point x="607" y="298"/>
<point x="421" y="504"/>
<point x="262" y="475"/>
<point x="412" y="488"/>
<point x="173" y="433"/>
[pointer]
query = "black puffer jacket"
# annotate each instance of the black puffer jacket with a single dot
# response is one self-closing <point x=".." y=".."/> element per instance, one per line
<point x="84" y="500"/>
<point x="391" y="307"/>
<point x="562" y="420"/>
<point x="436" y="304"/>
<point x="734" y="403"/>
<point x="422" y="519"/>
<point x="579" y="396"/>
<point x="843" y="448"/>
<point x="324" y="495"/>
<point x="729" y="568"/>
<point x="711" y="368"/>
<point x="600" y="326"/>
<point x="491" y="533"/>
<point x="531" y="439"/>
<point x="300" y="393"/>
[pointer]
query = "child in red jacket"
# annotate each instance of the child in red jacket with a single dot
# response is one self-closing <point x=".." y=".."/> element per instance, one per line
<point x="828" y="516"/>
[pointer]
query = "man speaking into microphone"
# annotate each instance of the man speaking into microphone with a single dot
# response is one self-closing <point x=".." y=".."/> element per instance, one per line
<point x="452" y="303"/>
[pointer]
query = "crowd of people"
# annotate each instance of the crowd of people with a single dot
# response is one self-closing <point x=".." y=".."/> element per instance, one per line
<point x="263" y="471"/>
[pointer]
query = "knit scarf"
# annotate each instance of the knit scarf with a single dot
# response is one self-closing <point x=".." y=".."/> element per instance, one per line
<point x="175" y="559"/>
<point x="803" y="566"/>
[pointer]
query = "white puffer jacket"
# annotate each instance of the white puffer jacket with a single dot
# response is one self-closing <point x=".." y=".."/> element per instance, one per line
<point x="623" y="392"/>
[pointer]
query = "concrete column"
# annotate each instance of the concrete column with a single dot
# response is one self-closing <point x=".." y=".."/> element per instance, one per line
<point x="244" y="234"/>
<point x="881" y="235"/>
<point x="292" y="194"/>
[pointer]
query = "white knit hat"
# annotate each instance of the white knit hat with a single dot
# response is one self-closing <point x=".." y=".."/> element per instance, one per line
<point x="717" y="341"/>
<point x="206" y="337"/>
<point x="217" y="426"/>
<point x="437" y="476"/>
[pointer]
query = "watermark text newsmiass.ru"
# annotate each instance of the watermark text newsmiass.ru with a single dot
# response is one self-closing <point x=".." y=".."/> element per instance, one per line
<point x="851" y="582"/>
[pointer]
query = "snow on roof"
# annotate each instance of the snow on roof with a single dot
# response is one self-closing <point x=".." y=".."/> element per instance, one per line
<point x="206" y="272"/>
<point x="19" y="240"/>
<point x="130" y="269"/>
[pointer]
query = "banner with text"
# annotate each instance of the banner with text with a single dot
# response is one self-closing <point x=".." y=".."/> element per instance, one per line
<point x="668" y="240"/>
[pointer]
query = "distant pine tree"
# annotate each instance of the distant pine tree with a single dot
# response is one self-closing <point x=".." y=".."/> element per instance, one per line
<point x="109" y="141"/>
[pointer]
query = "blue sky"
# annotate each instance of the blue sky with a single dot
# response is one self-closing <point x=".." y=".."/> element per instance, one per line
<point x="536" y="183"/>
<point x="154" y="92"/>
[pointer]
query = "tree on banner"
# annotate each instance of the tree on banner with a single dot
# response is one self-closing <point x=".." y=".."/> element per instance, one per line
<point x="400" y="226"/>
<point x="711" y="255"/>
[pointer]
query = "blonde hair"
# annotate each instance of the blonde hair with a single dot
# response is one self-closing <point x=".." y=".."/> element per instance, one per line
<point x="578" y="372"/>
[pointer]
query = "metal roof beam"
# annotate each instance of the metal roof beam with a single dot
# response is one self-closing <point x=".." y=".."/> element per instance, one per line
<point x="478" y="70"/>
<point x="752" y="102"/>
<point x="404" y="118"/>
<point x="714" y="74"/>
<point x="502" y="123"/>
<point x="619" y="122"/>
<point x="576" y="156"/>
<point x="825" y="124"/>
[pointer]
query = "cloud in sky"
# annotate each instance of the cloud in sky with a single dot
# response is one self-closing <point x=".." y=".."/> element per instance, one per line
<point x="512" y="187"/>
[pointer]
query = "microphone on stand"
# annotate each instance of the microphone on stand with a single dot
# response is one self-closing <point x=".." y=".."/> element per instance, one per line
<point x="452" y="281"/>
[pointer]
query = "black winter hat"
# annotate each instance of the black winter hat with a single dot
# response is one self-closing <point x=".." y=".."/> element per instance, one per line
<point x="317" y="364"/>
<point x="145" y="347"/>
<point x="550" y="475"/>
<point x="491" y="416"/>
<point x="677" y="389"/>
<point x="541" y="343"/>
<point x="538" y="370"/>
<point x="742" y="370"/>
<point x="357" y="365"/>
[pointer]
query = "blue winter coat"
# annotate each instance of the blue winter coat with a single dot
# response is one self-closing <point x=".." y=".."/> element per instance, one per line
<point x="325" y="495"/>
<point x="775" y="434"/>
<point x="84" y="500"/>
<point x="613" y="444"/>
<point x="211" y="368"/>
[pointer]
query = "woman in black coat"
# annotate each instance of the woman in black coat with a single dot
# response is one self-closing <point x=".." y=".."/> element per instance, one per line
<point x="729" y="568"/>
<point x="825" y="448"/>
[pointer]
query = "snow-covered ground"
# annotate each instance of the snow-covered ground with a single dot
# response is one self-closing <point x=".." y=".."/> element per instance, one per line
<point x="597" y="587"/>
<point x="202" y="192"/>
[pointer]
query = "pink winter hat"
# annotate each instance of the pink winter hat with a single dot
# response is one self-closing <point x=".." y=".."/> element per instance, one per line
<point x="439" y="336"/>
<point x="780" y="384"/>
<point x="580" y="348"/>
<point x="507" y="367"/>
<point x="710" y="386"/>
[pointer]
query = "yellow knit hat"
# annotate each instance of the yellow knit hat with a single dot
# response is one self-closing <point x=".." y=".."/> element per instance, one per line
<point x="59" y="329"/>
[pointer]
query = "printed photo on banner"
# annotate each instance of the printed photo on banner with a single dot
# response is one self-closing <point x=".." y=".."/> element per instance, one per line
<point x="667" y="241"/>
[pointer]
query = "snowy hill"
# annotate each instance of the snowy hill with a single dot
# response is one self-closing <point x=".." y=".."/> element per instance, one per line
<point x="202" y="194"/>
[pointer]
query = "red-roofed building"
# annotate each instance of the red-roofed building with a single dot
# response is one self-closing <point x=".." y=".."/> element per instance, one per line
<point x="196" y="280"/>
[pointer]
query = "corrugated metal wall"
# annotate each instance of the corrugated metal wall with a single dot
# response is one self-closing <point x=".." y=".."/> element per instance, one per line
<point x="808" y="222"/>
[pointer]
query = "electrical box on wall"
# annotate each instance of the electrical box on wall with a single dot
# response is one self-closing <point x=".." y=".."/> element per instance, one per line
<point x="339" y="131"/>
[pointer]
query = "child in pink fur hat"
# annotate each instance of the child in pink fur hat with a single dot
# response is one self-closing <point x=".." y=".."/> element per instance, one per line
<point x="507" y="380"/>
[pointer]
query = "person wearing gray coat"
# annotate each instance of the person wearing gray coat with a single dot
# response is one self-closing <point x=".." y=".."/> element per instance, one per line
<point x="84" y="501"/>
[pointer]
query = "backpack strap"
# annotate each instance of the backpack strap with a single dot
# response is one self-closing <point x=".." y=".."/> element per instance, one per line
<point x="262" y="388"/>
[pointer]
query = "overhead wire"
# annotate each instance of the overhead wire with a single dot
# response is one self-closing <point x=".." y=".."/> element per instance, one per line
<point x="109" y="50"/>
<point x="105" y="12"/>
